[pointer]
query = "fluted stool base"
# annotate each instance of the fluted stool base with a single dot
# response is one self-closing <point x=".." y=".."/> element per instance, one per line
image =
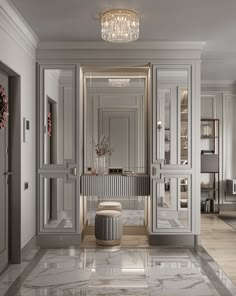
<point x="108" y="242"/>
<point x="108" y="227"/>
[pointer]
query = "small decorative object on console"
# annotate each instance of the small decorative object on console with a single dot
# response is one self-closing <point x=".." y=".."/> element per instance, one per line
<point x="115" y="171"/>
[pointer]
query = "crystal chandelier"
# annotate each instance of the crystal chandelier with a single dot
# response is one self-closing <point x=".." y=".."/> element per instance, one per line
<point x="120" y="25"/>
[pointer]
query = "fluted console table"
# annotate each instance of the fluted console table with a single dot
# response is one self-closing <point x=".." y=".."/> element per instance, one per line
<point x="115" y="185"/>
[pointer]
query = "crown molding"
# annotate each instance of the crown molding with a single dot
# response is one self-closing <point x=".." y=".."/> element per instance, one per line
<point x="104" y="52"/>
<point x="219" y="82"/>
<point x="14" y="24"/>
<point x="218" y="86"/>
<point x="138" y="45"/>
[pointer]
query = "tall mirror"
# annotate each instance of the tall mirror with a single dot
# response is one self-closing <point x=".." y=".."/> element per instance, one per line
<point x="116" y="112"/>
<point x="173" y="203"/>
<point x="58" y="118"/>
<point x="58" y="186"/>
<point x="57" y="203"/>
<point x="173" y="109"/>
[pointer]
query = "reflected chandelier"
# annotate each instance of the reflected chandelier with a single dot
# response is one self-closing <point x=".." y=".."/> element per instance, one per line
<point x="119" y="82"/>
<point x="120" y="26"/>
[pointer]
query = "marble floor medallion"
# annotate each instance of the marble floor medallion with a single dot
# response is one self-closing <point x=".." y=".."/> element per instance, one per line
<point x="124" y="271"/>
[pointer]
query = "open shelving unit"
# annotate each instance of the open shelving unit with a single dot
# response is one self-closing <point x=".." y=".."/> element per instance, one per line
<point x="210" y="193"/>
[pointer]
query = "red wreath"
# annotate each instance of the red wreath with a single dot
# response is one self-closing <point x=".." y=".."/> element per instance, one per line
<point x="3" y="107"/>
<point x="49" y="124"/>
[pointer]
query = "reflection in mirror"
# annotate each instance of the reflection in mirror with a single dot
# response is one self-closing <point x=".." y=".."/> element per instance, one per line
<point x="57" y="203"/>
<point x="116" y="108"/>
<point x="184" y="119"/>
<point x="173" y="112"/>
<point x="58" y="115"/>
<point x="167" y="123"/>
<point x="133" y="209"/>
<point x="173" y="203"/>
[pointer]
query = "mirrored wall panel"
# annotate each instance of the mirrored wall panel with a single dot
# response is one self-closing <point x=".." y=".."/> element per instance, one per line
<point x="57" y="203"/>
<point x="133" y="209"/>
<point x="58" y="117"/>
<point x="172" y="204"/>
<point x="173" y="122"/>
<point x="116" y="121"/>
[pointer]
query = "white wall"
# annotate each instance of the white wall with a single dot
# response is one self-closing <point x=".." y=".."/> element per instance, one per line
<point x="21" y="60"/>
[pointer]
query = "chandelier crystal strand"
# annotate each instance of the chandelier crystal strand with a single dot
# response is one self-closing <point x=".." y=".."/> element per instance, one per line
<point x="120" y="26"/>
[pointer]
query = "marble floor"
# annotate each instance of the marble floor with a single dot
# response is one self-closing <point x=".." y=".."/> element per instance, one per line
<point x="121" y="270"/>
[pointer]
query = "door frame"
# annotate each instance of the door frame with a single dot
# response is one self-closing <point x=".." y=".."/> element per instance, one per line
<point x="14" y="145"/>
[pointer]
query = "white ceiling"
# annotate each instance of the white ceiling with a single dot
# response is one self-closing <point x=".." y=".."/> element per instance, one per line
<point x="213" y="21"/>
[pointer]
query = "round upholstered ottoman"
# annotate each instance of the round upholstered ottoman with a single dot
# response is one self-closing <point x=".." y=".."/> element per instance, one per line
<point x="109" y="205"/>
<point x="108" y="227"/>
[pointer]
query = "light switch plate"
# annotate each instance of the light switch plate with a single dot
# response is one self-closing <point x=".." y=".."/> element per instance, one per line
<point x="26" y="131"/>
<point x="26" y="185"/>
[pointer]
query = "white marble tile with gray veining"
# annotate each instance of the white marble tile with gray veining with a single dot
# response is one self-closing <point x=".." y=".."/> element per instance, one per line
<point x="118" y="271"/>
<point x="123" y="258"/>
<point x="182" y="292"/>
<point x="118" y="278"/>
<point x="50" y="281"/>
<point x="64" y="261"/>
<point x="121" y="291"/>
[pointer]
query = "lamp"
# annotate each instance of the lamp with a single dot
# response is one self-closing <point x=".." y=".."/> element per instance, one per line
<point x="120" y="25"/>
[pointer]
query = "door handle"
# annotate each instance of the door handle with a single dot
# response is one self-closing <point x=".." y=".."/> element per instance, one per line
<point x="154" y="171"/>
<point x="74" y="171"/>
<point x="8" y="174"/>
<point x="159" y="124"/>
<point x="162" y="162"/>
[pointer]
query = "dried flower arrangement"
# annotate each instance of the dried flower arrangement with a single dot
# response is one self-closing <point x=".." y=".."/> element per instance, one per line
<point x="103" y="147"/>
<point x="3" y="107"/>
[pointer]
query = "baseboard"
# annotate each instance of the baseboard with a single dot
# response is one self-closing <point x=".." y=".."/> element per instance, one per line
<point x="31" y="245"/>
<point x="58" y="240"/>
<point x="178" y="240"/>
<point x="228" y="207"/>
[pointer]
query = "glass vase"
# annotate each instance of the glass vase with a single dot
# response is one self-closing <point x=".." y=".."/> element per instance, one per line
<point x="100" y="165"/>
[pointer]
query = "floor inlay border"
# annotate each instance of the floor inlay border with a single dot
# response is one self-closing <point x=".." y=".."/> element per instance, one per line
<point x="16" y="285"/>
